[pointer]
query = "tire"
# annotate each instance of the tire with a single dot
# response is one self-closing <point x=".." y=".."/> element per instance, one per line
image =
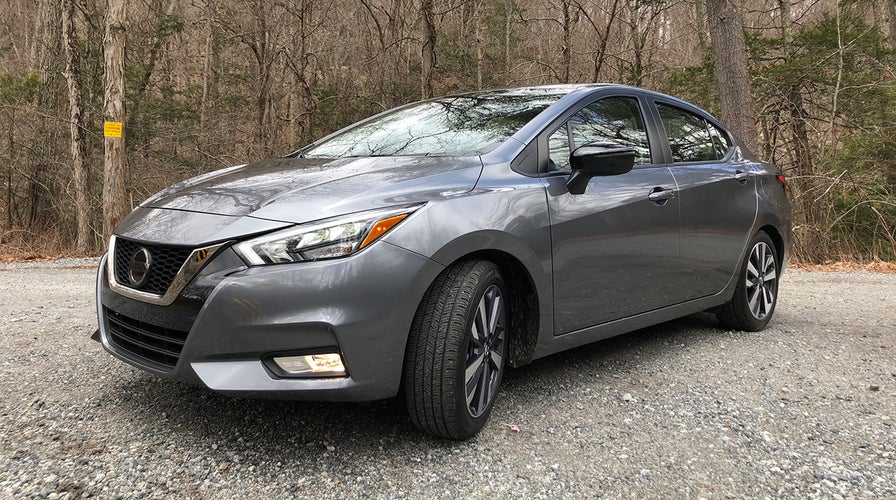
<point x="442" y="397"/>
<point x="753" y="304"/>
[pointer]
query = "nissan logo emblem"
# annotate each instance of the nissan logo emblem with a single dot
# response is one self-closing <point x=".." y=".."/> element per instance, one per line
<point x="138" y="268"/>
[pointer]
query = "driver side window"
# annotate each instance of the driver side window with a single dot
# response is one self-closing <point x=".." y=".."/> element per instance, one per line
<point x="615" y="120"/>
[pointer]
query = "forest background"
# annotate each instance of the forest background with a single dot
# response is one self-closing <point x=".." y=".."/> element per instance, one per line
<point x="214" y="83"/>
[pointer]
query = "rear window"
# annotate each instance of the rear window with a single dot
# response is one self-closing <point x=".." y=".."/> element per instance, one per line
<point x="689" y="136"/>
<point x="449" y="126"/>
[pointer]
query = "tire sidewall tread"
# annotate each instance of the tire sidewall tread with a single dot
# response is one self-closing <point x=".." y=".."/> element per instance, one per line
<point x="436" y="353"/>
<point x="735" y="314"/>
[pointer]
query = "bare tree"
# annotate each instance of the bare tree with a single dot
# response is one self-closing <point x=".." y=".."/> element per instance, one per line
<point x="390" y="55"/>
<point x="207" y="57"/>
<point x="570" y="17"/>
<point x="76" y="125"/>
<point x="732" y="76"/>
<point x="428" y="51"/>
<point x="882" y="10"/>
<point x="148" y="68"/>
<point x="700" y="13"/>
<point x="39" y="193"/>
<point x="794" y="104"/>
<point x="477" y="37"/>
<point x="299" y="58"/>
<point x="114" y="202"/>
<point x="891" y="16"/>
<point x="263" y="44"/>
<point x="599" y="54"/>
<point x="510" y="9"/>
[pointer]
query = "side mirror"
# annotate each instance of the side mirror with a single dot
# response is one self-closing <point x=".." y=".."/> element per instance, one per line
<point x="598" y="159"/>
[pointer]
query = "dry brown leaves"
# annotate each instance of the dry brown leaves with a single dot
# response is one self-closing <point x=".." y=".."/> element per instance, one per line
<point x="871" y="267"/>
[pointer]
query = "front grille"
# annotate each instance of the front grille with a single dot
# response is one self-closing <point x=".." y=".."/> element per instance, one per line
<point x="166" y="262"/>
<point x="153" y="345"/>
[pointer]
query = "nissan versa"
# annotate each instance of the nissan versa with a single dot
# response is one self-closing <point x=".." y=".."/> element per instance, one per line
<point x="422" y="251"/>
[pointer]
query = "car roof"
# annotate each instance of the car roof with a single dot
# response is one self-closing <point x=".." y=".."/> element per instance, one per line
<point x="556" y="89"/>
<point x="575" y="89"/>
<point x="570" y="94"/>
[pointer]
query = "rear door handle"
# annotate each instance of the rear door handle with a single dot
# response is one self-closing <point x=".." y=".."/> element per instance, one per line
<point x="659" y="195"/>
<point x="741" y="176"/>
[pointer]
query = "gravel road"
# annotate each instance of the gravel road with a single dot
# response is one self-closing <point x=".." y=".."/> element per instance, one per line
<point x="803" y="409"/>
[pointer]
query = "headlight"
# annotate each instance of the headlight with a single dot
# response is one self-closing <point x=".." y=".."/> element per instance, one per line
<point x="324" y="240"/>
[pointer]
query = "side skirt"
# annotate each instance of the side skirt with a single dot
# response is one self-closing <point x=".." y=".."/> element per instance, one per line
<point x="625" y="325"/>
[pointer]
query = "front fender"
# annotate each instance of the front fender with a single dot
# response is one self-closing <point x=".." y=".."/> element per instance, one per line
<point x="509" y="217"/>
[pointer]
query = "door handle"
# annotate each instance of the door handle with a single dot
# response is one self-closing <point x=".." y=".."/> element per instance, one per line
<point x="742" y="176"/>
<point x="659" y="195"/>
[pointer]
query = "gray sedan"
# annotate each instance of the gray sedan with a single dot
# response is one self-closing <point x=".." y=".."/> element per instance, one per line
<point x="422" y="251"/>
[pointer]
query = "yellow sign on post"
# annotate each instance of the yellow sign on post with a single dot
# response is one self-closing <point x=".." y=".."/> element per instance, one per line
<point x="112" y="129"/>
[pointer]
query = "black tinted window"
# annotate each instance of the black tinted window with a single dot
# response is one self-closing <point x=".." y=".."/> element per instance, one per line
<point x="459" y="125"/>
<point x="615" y="120"/>
<point x="689" y="137"/>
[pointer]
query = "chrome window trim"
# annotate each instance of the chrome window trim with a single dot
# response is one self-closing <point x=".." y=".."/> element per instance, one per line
<point x="186" y="273"/>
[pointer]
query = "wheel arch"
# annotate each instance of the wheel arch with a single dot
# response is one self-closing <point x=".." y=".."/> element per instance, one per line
<point x="527" y="306"/>
<point x="777" y="239"/>
<point x="524" y="303"/>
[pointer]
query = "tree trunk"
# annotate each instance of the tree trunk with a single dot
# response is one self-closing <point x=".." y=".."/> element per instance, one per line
<point x="786" y="27"/>
<point x="891" y="16"/>
<point x="264" y="49"/>
<point x="508" y="14"/>
<point x="134" y="119"/>
<point x="810" y="245"/>
<point x="12" y="158"/>
<point x="39" y="198"/>
<point x="700" y="11"/>
<point x="565" y="49"/>
<point x="114" y="200"/>
<point x="601" y="55"/>
<point x="398" y="55"/>
<point x="730" y="56"/>
<point x="880" y="11"/>
<point x="429" y="48"/>
<point x="477" y="35"/>
<point x="76" y="126"/>
<point x="206" y="66"/>
<point x="158" y="38"/>
<point x="301" y="98"/>
<point x="638" y="43"/>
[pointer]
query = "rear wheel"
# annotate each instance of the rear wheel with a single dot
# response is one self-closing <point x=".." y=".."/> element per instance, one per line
<point x="456" y="351"/>
<point x="756" y="294"/>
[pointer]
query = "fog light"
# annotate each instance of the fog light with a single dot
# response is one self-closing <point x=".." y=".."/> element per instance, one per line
<point x="319" y="365"/>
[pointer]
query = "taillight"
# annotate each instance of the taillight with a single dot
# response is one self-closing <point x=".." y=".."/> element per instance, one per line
<point x="783" y="181"/>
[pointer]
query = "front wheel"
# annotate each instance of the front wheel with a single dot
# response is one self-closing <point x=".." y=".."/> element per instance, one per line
<point x="756" y="294"/>
<point x="456" y="351"/>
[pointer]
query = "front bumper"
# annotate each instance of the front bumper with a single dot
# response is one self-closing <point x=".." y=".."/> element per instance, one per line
<point x="234" y="316"/>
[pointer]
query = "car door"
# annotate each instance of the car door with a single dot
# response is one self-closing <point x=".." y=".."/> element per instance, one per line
<point x="615" y="247"/>
<point x="717" y="196"/>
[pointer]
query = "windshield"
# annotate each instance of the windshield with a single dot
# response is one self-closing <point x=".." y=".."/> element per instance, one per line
<point x="449" y="126"/>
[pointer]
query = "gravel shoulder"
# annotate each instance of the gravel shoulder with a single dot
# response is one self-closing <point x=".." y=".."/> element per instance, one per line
<point x="805" y="408"/>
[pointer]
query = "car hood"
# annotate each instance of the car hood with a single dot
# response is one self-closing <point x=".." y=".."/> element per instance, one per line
<point x="277" y="192"/>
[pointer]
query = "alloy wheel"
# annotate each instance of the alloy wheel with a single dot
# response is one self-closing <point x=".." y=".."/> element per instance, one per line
<point x="761" y="280"/>
<point x="485" y="352"/>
